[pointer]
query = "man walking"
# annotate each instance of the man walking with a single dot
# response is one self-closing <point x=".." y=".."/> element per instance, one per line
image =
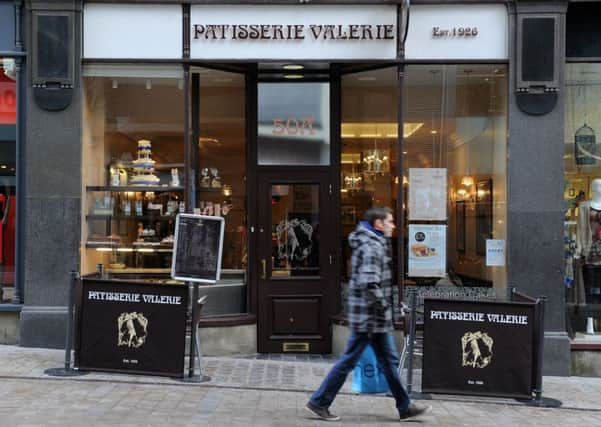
<point x="369" y="315"/>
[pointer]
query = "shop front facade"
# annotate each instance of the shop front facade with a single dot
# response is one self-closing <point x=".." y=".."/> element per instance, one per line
<point x="289" y="121"/>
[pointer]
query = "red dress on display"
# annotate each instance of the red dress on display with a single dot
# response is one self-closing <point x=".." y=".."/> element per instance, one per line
<point x="7" y="237"/>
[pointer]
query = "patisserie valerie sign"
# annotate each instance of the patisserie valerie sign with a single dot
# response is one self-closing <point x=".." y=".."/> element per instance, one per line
<point x="293" y="32"/>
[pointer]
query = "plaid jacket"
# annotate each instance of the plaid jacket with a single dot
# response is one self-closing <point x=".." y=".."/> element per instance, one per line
<point x="369" y="305"/>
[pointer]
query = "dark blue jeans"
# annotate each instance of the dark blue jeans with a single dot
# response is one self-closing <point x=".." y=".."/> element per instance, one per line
<point x="327" y="391"/>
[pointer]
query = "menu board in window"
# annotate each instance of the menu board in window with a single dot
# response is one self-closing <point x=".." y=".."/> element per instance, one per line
<point x="197" y="248"/>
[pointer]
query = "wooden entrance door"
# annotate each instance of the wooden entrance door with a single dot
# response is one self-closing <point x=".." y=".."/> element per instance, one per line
<point x="296" y="288"/>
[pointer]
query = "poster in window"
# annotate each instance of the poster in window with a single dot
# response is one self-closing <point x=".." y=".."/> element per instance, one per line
<point x="483" y="214"/>
<point x="495" y="253"/>
<point x="427" y="250"/>
<point x="197" y="248"/>
<point x="428" y="194"/>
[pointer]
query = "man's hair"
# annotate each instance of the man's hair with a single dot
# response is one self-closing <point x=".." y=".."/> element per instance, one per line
<point x="373" y="214"/>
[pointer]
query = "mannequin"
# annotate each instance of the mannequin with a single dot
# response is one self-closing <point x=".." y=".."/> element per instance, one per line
<point x="588" y="243"/>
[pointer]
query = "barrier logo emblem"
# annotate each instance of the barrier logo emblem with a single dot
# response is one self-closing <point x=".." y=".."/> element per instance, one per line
<point x="477" y="349"/>
<point x="131" y="329"/>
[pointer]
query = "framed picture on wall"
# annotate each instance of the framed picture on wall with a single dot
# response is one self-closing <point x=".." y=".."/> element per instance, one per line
<point x="483" y="214"/>
<point x="460" y="226"/>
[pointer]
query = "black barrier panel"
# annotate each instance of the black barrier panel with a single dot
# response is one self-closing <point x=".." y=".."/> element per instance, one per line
<point x="478" y="348"/>
<point x="197" y="248"/>
<point x="132" y="328"/>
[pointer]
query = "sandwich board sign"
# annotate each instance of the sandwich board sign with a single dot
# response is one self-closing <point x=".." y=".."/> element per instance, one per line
<point x="197" y="248"/>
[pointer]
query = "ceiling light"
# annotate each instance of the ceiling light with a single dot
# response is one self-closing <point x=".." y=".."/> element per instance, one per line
<point x="293" y="76"/>
<point x="384" y="130"/>
<point x="467" y="181"/>
<point x="208" y="141"/>
<point x="293" y="67"/>
<point x="3" y="166"/>
<point x="433" y="132"/>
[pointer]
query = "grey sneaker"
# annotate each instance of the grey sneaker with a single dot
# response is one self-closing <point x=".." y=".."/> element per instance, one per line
<point x="321" y="413"/>
<point x="414" y="411"/>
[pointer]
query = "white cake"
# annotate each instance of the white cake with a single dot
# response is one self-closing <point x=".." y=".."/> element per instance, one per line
<point x="144" y="165"/>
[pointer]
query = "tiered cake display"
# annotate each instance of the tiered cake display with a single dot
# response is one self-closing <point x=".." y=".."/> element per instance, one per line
<point x="144" y="165"/>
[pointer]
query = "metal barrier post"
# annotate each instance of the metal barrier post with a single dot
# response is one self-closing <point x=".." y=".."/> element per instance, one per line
<point x="413" y="302"/>
<point x="197" y="304"/>
<point x="68" y="371"/>
<point x="538" y="387"/>
<point x="538" y="399"/>
<point x="510" y="291"/>
<point x="193" y="332"/>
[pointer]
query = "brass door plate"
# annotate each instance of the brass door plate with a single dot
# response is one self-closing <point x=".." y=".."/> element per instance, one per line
<point x="296" y="347"/>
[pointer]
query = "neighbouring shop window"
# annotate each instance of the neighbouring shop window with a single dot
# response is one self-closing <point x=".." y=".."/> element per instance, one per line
<point x="293" y="124"/>
<point x="221" y="186"/>
<point x="368" y="159"/>
<point x="8" y="189"/>
<point x="133" y="168"/>
<point x="582" y="199"/>
<point x="454" y="176"/>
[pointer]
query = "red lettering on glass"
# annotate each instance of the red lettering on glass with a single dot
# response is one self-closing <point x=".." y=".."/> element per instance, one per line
<point x="293" y="126"/>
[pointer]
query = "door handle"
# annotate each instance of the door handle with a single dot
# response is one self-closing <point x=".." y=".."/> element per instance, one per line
<point x="264" y="265"/>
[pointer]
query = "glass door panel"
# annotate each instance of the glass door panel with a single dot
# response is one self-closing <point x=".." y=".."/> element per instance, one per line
<point x="295" y="230"/>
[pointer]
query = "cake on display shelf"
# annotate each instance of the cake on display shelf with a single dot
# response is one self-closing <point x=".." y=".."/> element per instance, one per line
<point x="144" y="165"/>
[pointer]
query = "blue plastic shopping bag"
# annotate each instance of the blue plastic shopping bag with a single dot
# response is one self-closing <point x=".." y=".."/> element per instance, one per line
<point x="368" y="375"/>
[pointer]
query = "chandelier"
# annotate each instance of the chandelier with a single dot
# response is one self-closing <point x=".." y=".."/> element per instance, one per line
<point x="352" y="180"/>
<point x="376" y="160"/>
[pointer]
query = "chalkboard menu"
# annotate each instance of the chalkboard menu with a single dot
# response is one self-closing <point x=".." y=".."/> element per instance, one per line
<point x="197" y="248"/>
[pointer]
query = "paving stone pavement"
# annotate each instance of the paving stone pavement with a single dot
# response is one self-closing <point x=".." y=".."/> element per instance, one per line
<point x="249" y="391"/>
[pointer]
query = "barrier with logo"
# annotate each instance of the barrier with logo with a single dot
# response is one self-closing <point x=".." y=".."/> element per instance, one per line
<point x="479" y="348"/>
<point x="131" y="327"/>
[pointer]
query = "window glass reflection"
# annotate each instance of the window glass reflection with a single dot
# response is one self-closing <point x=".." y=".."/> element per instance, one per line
<point x="294" y="124"/>
<point x="582" y="199"/>
<point x="455" y="162"/>
<point x="8" y="205"/>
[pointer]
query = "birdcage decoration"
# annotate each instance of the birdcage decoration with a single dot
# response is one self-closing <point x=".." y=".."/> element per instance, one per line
<point x="585" y="146"/>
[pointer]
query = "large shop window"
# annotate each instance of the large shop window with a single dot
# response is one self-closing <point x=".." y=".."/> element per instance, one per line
<point x="8" y="205"/>
<point x="221" y="189"/>
<point x="454" y="171"/>
<point x="134" y="171"/>
<point x="582" y="197"/>
<point x="133" y="167"/>
<point x="454" y="175"/>
<point x="369" y="150"/>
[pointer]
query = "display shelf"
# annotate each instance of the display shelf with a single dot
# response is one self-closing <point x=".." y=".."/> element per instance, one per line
<point x="131" y="217"/>
<point x="131" y="249"/>
<point x="133" y="188"/>
<point x="208" y="190"/>
<point x="132" y="270"/>
<point x="163" y="166"/>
